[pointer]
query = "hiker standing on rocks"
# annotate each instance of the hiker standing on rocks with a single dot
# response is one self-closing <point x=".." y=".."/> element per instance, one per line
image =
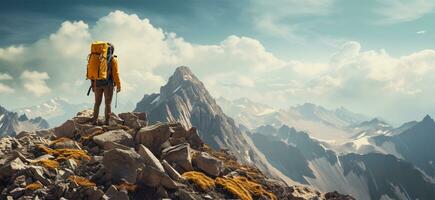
<point x="103" y="83"/>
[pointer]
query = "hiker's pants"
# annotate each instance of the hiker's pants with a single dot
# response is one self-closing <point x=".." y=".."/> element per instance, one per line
<point x="108" y="94"/>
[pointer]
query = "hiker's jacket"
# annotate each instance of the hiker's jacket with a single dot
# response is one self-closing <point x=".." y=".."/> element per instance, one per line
<point x="115" y="71"/>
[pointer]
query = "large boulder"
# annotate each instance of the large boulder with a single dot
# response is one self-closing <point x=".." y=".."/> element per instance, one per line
<point x="171" y="171"/>
<point x="68" y="129"/>
<point x="134" y="120"/>
<point x="153" y="177"/>
<point x="153" y="174"/>
<point x="84" y="116"/>
<point x="87" y="130"/>
<point x="122" y="164"/>
<point x="119" y="136"/>
<point x="153" y="136"/>
<point x="208" y="164"/>
<point x="149" y="158"/>
<point x="10" y="168"/>
<point x="179" y="155"/>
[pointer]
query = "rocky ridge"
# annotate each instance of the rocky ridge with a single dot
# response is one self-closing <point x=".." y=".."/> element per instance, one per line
<point x="11" y="123"/>
<point x="129" y="159"/>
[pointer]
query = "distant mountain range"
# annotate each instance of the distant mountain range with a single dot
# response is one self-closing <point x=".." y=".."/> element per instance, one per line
<point x="367" y="176"/>
<point x="57" y="110"/>
<point x="320" y="122"/>
<point x="11" y="123"/>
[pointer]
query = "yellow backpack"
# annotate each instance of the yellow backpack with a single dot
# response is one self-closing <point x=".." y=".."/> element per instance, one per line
<point x="97" y="61"/>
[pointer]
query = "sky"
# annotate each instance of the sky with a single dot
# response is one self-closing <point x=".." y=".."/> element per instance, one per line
<point x="374" y="57"/>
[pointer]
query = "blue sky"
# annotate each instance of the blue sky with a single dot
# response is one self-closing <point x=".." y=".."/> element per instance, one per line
<point x="374" y="57"/>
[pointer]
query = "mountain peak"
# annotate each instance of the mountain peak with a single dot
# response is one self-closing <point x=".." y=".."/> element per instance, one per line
<point x="183" y="70"/>
<point x="183" y="73"/>
<point x="181" y="78"/>
<point x="427" y="118"/>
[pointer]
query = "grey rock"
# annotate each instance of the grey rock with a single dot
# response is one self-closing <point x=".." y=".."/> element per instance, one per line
<point x="23" y="134"/>
<point x="179" y="155"/>
<point x="71" y="164"/>
<point x="114" y="119"/>
<point x="122" y="164"/>
<point x="11" y="168"/>
<point x="46" y="133"/>
<point x="193" y="138"/>
<point x="84" y="116"/>
<point x="161" y="192"/>
<point x="185" y="195"/>
<point x="171" y="171"/>
<point x="113" y="194"/>
<point x="20" y="181"/>
<point x="150" y="159"/>
<point x="94" y="193"/>
<point x="168" y="183"/>
<point x="116" y="136"/>
<point x="131" y="120"/>
<point x="17" y="192"/>
<point x="37" y="173"/>
<point x="153" y="136"/>
<point x="68" y="129"/>
<point x="150" y="176"/>
<point x="208" y="164"/>
<point x="65" y="144"/>
<point x="89" y="130"/>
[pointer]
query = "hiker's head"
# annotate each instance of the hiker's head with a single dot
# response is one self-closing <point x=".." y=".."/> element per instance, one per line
<point x="111" y="48"/>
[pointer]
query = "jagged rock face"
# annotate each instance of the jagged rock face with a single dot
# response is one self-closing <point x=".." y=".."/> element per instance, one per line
<point x="186" y="100"/>
<point x="366" y="176"/>
<point x="415" y="144"/>
<point x="12" y="124"/>
<point x="41" y="165"/>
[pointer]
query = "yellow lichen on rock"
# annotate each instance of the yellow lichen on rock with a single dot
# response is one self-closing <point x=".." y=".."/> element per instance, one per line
<point x="243" y="188"/>
<point x="34" y="186"/>
<point x="51" y="164"/>
<point x="65" y="154"/>
<point x="81" y="181"/>
<point x="199" y="179"/>
<point x="126" y="186"/>
<point x="234" y="188"/>
<point x="62" y="139"/>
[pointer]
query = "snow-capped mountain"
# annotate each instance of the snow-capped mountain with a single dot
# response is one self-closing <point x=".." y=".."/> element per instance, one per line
<point x="55" y="111"/>
<point x="320" y="122"/>
<point x="368" y="176"/>
<point x="11" y="123"/>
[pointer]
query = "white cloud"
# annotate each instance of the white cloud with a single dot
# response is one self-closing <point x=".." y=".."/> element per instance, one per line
<point x="10" y="52"/>
<point x="5" y="89"/>
<point x="421" y="32"/>
<point x="397" y="11"/>
<point x="236" y="67"/>
<point x="35" y="83"/>
<point x="275" y="17"/>
<point x="5" y="76"/>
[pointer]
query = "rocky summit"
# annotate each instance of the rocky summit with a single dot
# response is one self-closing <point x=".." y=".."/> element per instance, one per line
<point x="130" y="159"/>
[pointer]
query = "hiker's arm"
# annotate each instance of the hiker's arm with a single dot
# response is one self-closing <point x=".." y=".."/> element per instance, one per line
<point x="116" y="74"/>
